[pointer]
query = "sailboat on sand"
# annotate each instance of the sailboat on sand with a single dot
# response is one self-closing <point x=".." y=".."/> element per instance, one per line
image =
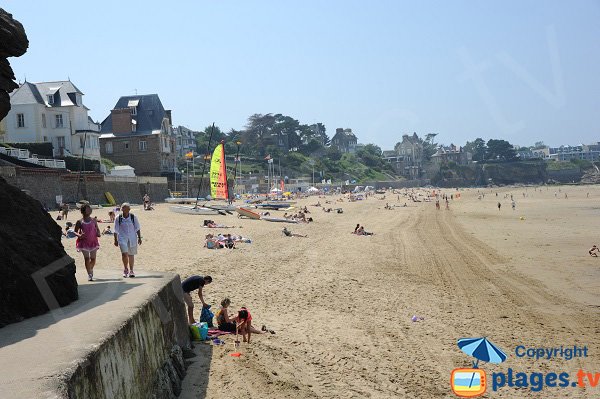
<point x="218" y="186"/>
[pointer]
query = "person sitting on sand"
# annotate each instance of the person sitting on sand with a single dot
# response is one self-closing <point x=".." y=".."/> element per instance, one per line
<point x="288" y="233"/>
<point x="69" y="231"/>
<point x="107" y="231"/>
<point x="594" y="251"/>
<point x="111" y="216"/>
<point x="356" y="228"/>
<point x="361" y="232"/>
<point x="224" y="322"/>
<point x="211" y="242"/>
<point x="244" y="325"/>
<point x="229" y="242"/>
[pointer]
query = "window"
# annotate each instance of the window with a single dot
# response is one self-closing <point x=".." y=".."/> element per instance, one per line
<point x="142" y="145"/>
<point x="44" y="121"/>
<point x="109" y="148"/>
<point x="50" y="98"/>
<point x="59" y="121"/>
<point x="133" y="110"/>
<point x="20" y="120"/>
<point x="133" y="127"/>
<point x="60" y="140"/>
<point x="45" y="139"/>
<point x="81" y="141"/>
<point x="126" y="145"/>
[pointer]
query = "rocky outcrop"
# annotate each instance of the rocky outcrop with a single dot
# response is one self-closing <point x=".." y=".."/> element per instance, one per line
<point x="13" y="43"/>
<point x="36" y="274"/>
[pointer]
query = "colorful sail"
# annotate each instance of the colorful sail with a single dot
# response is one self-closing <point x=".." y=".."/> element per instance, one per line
<point x="218" y="174"/>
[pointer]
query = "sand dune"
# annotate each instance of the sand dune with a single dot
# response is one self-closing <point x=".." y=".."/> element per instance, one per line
<point x="342" y="304"/>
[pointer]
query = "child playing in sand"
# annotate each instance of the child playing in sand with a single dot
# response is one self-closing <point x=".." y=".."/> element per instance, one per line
<point x="244" y="325"/>
<point x="594" y="251"/>
<point x="87" y="243"/>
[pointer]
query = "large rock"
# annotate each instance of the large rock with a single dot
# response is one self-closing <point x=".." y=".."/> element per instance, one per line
<point x="36" y="274"/>
<point x="13" y="43"/>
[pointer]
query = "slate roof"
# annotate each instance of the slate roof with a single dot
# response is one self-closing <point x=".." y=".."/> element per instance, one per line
<point x="30" y="93"/>
<point x="150" y="113"/>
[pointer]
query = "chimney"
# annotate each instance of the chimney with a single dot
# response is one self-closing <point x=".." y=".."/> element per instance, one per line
<point x="339" y="130"/>
<point x="121" y="120"/>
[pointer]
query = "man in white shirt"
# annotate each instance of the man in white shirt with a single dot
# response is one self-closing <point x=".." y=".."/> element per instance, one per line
<point x="127" y="237"/>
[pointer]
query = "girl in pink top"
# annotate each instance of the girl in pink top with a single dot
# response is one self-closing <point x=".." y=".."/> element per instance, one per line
<point x="87" y="242"/>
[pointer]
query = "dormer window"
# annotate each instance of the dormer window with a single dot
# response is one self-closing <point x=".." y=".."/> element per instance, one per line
<point x="132" y="105"/>
<point x="50" y="99"/>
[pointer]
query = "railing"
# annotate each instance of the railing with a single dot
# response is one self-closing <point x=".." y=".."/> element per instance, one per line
<point x="25" y="155"/>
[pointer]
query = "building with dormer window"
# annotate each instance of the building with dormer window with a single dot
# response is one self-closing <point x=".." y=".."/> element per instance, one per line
<point x="52" y="112"/>
<point x="138" y="133"/>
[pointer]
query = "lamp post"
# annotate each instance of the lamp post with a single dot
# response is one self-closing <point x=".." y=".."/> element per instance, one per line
<point x="187" y="180"/>
<point x="312" y="163"/>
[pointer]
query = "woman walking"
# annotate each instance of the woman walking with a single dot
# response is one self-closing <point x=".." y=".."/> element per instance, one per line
<point x="88" y="232"/>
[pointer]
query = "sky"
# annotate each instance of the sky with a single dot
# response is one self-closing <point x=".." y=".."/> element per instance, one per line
<point x="523" y="71"/>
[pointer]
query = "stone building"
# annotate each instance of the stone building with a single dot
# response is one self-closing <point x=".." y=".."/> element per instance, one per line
<point x="138" y="133"/>
<point x="409" y="156"/>
<point x="344" y="140"/>
<point x="451" y="153"/>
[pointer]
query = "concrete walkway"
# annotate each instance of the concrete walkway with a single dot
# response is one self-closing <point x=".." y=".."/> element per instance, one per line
<point x="36" y="354"/>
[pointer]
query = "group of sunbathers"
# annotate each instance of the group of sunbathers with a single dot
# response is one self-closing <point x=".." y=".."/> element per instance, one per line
<point x="241" y="323"/>
<point x="300" y="216"/>
<point x="223" y="241"/>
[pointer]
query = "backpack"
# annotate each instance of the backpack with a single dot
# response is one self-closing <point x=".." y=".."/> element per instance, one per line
<point x="132" y="219"/>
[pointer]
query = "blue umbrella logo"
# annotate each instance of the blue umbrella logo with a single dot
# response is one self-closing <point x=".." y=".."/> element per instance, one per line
<point x="481" y="349"/>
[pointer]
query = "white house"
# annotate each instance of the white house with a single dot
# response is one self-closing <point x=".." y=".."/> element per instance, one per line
<point x="52" y="112"/>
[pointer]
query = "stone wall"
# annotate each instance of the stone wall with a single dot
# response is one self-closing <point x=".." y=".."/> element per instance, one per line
<point x="573" y="175"/>
<point x="143" y="358"/>
<point x="45" y="185"/>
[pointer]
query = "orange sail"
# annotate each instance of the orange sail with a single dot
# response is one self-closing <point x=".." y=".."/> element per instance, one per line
<point x="218" y="174"/>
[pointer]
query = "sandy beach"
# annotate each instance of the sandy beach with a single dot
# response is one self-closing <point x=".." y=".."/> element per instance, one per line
<point x="341" y="304"/>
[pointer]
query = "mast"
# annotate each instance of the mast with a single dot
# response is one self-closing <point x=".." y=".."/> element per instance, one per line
<point x="212" y="128"/>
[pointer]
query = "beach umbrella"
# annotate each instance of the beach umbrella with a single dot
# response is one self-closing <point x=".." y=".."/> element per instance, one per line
<point x="482" y="349"/>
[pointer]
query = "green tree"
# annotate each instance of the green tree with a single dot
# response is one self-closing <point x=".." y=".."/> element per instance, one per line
<point x="501" y="150"/>
<point x="477" y="148"/>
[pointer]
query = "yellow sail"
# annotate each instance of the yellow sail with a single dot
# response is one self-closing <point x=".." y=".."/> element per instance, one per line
<point x="218" y="174"/>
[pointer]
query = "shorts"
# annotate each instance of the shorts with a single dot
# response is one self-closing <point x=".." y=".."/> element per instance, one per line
<point x="128" y="248"/>
<point x="187" y="298"/>
<point x="227" y="327"/>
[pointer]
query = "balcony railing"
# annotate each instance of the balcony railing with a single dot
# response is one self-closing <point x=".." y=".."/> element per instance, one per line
<point x="25" y="155"/>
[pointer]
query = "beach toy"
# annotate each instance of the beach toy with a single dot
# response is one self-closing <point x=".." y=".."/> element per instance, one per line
<point x="417" y="318"/>
<point x="218" y="341"/>
<point x="236" y="354"/>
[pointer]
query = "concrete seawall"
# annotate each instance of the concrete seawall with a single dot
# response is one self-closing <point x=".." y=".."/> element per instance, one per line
<point x="122" y="339"/>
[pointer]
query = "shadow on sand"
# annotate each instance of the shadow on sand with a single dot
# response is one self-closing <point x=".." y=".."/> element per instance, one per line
<point x="195" y="384"/>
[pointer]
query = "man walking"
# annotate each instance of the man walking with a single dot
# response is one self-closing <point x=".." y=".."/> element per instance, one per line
<point x="128" y="236"/>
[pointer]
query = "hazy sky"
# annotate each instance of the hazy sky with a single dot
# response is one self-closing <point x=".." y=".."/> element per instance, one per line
<point x="519" y="70"/>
